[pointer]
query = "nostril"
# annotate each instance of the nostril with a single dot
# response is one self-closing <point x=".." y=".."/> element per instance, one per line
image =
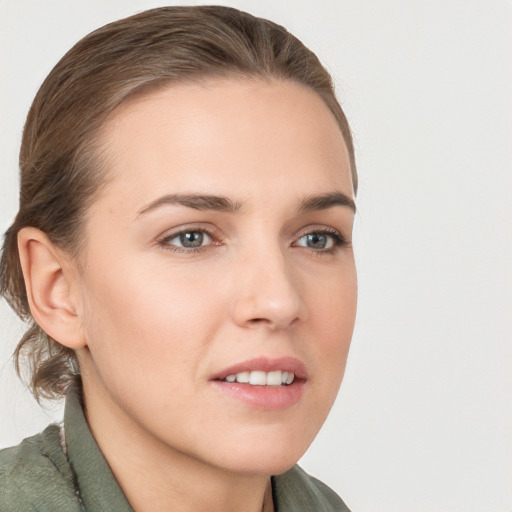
<point x="267" y="322"/>
<point x="256" y="321"/>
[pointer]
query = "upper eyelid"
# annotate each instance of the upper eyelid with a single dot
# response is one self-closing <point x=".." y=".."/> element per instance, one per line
<point x="174" y="232"/>
<point x="319" y="229"/>
<point x="177" y="234"/>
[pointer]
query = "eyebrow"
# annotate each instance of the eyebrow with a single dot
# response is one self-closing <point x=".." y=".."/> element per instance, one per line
<point x="325" y="201"/>
<point x="196" y="201"/>
<point x="224" y="204"/>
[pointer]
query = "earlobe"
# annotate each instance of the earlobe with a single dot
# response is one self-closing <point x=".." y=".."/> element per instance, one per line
<point x="48" y="286"/>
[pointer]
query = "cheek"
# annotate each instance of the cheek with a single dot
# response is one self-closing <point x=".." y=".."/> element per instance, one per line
<point x="145" y="321"/>
<point x="333" y="302"/>
<point x="332" y="317"/>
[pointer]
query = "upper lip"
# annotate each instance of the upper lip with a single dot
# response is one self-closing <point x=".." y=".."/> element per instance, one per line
<point x="265" y="364"/>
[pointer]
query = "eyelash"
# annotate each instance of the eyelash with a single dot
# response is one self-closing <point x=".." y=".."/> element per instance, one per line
<point x="337" y="239"/>
<point x="164" y="242"/>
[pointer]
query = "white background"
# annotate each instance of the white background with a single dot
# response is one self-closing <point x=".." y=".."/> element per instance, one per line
<point x="424" y="419"/>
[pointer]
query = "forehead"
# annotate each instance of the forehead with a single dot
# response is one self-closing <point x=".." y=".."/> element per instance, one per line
<point x="217" y="133"/>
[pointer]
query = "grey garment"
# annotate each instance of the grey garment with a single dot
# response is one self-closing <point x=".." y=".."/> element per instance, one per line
<point x="38" y="476"/>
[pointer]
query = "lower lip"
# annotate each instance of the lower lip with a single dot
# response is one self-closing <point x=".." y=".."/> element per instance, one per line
<point x="269" y="398"/>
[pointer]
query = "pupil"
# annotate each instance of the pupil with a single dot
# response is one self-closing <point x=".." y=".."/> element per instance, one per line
<point x="317" y="241"/>
<point x="191" y="239"/>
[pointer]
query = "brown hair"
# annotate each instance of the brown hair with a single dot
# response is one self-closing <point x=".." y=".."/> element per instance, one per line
<point x="59" y="170"/>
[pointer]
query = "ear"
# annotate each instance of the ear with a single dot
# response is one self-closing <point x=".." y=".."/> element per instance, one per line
<point x="48" y="280"/>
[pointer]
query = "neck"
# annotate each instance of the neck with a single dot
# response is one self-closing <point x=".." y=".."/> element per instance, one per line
<point x="154" y="476"/>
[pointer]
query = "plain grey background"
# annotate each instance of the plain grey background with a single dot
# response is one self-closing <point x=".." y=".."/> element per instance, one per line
<point x="424" y="419"/>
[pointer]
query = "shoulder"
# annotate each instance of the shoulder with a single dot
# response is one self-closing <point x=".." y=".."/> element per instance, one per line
<point x="35" y="475"/>
<point x="295" y="490"/>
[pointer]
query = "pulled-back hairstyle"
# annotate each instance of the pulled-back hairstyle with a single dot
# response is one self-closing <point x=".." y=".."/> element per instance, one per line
<point x="60" y="172"/>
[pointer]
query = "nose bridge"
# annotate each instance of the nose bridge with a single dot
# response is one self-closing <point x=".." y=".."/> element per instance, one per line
<point x="269" y="291"/>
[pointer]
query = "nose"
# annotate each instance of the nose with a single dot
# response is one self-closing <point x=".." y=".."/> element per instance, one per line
<point x="268" y="293"/>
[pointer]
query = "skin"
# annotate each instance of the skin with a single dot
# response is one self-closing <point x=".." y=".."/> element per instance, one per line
<point x="153" y="321"/>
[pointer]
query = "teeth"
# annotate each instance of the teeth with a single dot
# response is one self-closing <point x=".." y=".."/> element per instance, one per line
<point x="243" y="377"/>
<point x="260" y="378"/>
<point x="274" y="378"/>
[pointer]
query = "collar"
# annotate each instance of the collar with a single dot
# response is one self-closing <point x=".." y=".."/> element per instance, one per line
<point x="96" y="484"/>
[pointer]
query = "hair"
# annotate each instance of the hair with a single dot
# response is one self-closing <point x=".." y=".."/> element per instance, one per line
<point x="60" y="172"/>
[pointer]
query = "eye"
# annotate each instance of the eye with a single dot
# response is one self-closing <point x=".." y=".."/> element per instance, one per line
<point x="322" y="241"/>
<point x="190" y="239"/>
<point x="317" y="241"/>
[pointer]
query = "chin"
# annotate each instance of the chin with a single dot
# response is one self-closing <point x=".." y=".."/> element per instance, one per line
<point x="270" y="456"/>
<point x="263" y="465"/>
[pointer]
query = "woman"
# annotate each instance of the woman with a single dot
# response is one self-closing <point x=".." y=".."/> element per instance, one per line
<point x="183" y="256"/>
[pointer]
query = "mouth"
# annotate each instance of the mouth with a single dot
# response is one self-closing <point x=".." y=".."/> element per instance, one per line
<point x="261" y="378"/>
<point x="263" y="383"/>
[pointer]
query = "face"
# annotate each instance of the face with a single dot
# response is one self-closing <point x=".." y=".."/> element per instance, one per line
<point x="218" y="253"/>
